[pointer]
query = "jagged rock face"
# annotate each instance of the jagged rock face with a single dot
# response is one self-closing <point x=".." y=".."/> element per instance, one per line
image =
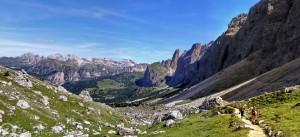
<point x="268" y="37"/>
<point x="186" y="63"/>
<point x="157" y="73"/>
<point x="175" y="58"/>
<point x="173" y="72"/>
<point x="60" y="69"/>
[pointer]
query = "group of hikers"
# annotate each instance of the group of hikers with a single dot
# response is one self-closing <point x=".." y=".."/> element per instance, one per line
<point x="253" y="113"/>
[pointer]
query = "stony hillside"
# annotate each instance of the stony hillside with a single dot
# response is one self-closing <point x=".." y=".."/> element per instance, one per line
<point x="60" y="69"/>
<point x="30" y="107"/>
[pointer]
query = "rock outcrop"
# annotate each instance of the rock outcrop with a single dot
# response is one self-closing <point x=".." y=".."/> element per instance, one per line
<point x="210" y="103"/>
<point x="172" y="72"/>
<point x="186" y="63"/>
<point x="85" y="95"/>
<point x="157" y="74"/>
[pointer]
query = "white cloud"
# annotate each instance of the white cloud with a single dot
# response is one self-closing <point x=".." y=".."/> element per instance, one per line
<point x="10" y="47"/>
<point x="37" y="10"/>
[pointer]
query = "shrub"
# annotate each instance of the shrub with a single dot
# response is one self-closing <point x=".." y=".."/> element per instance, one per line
<point x="6" y="74"/>
<point x="228" y="110"/>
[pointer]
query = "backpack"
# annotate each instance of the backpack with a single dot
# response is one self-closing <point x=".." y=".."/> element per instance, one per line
<point x="254" y="112"/>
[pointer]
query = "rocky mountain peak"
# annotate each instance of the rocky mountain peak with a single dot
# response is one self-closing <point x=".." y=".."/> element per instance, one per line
<point x="128" y="62"/>
<point x="196" y="52"/>
<point x="235" y="24"/>
<point x="175" y="58"/>
<point x="30" y="58"/>
<point x="56" y="56"/>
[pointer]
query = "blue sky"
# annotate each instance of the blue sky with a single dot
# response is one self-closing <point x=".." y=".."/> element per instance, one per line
<point x="141" y="30"/>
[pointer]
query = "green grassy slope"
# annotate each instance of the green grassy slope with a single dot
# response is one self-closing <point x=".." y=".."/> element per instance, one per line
<point x="56" y="113"/>
<point x="281" y="111"/>
<point x="202" y="125"/>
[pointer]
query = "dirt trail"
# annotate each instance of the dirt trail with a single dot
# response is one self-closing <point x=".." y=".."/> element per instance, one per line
<point x="255" y="130"/>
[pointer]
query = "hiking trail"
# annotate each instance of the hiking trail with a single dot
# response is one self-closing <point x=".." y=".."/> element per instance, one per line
<point x="255" y="130"/>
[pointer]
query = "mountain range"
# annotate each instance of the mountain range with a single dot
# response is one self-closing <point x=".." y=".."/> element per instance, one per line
<point x="60" y="69"/>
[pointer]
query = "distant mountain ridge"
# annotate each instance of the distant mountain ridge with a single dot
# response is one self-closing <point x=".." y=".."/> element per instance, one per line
<point x="59" y="69"/>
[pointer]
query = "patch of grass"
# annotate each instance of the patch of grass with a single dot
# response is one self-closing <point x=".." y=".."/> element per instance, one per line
<point x="280" y="111"/>
<point x="202" y="126"/>
<point x="107" y="84"/>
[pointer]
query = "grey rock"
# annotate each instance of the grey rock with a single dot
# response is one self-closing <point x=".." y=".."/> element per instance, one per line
<point x="86" y="95"/>
<point x="63" y="98"/>
<point x="176" y="114"/>
<point x="26" y="134"/>
<point x="22" y="80"/>
<point x="210" y="103"/>
<point x="170" y="123"/>
<point x="57" y="129"/>
<point x="39" y="127"/>
<point x="112" y="132"/>
<point x="23" y="104"/>
<point x="126" y="131"/>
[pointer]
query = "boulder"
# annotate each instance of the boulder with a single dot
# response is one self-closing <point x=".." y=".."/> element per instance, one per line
<point x="1" y="115"/>
<point x="170" y="123"/>
<point x="26" y="134"/>
<point x="23" y="104"/>
<point x="39" y="127"/>
<point x="121" y="125"/>
<point x="22" y="80"/>
<point x="126" y="131"/>
<point x="156" y="118"/>
<point x="212" y="103"/>
<point x="62" y="89"/>
<point x="63" y="98"/>
<point x="175" y="114"/>
<point x="217" y="113"/>
<point x="57" y="129"/>
<point x="112" y="132"/>
<point x="86" y="95"/>
<point x="45" y="100"/>
<point x="2" y="112"/>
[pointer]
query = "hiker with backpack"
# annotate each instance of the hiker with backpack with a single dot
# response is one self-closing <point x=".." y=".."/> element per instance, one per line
<point x="242" y="111"/>
<point x="254" y="115"/>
